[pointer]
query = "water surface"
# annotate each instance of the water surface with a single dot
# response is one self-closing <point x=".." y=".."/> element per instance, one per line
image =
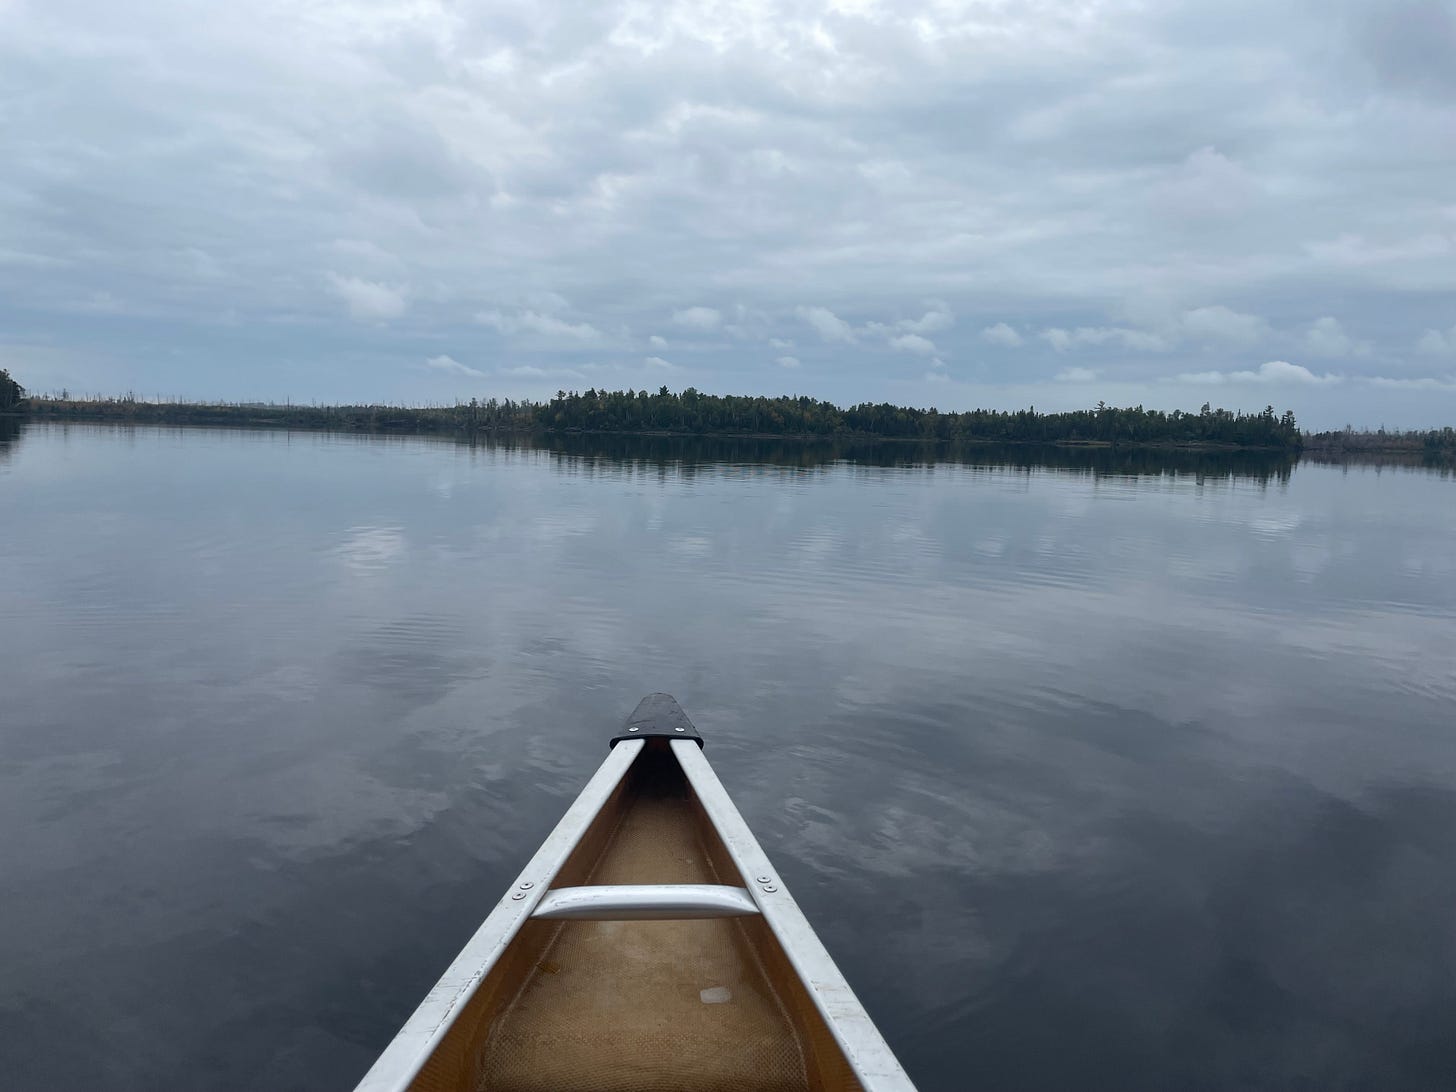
<point x="1107" y="772"/>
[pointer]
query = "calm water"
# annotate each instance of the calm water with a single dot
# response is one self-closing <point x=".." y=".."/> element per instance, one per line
<point x="1142" y="777"/>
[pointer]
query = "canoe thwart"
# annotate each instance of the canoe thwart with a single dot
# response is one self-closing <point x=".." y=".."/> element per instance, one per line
<point x="646" y="902"/>
<point x="658" y="715"/>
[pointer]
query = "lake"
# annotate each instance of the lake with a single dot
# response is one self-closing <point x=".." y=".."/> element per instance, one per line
<point x="1092" y="770"/>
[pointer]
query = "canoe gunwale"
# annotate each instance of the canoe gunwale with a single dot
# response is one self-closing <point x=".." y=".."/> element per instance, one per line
<point x="865" y="1049"/>
<point x="408" y="1052"/>
<point x="822" y="996"/>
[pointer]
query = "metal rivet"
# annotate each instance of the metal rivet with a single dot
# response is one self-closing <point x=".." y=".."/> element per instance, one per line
<point x="526" y="885"/>
<point x="518" y="896"/>
<point x="679" y="729"/>
<point x="634" y="728"/>
<point x="765" y="879"/>
<point x="769" y="887"/>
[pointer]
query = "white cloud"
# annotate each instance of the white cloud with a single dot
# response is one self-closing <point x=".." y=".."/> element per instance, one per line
<point x="938" y="317"/>
<point x="449" y="364"/>
<point x="657" y="342"/>
<point x="658" y="362"/>
<point x="1273" y="371"/>
<point x="1219" y="323"/>
<point x="914" y="343"/>
<point x="1435" y="343"/>
<point x="1076" y="375"/>
<point x="1326" y="337"/>
<point x="531" y="371"/>
<point x="1002" y="334"/>
<point x="368" y="301"/>
<point x="1057" y="338"/>
<point x="788" y="362"/>
<point x="1062" y="340"/>
<point x="1208" y="185"/>
<point x="936" y="362"/>
<point x="1356" y="251"/>
<point x="829" y="325"/>
<point x="936" y="377"/>
<point x="698" y="318"/>
<point x="781" y="342"/>
<point x="538" y="324"/>
<point x="1420" y="383"/>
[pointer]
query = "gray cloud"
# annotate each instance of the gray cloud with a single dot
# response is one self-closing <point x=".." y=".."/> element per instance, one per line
<point x="1438" y="342"/>
<point x="1143" y="192"/>
<point x="1219" y="323"/>
<point x="1002" y="334"/>
<point x="1411" y="44"/>
<point x="699" y="318"/>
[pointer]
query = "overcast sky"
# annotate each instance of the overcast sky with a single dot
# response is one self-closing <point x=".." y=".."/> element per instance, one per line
<point x="960" y="204"/>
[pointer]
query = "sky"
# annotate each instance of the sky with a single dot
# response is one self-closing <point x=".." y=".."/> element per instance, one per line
<point x="983" y="203"/>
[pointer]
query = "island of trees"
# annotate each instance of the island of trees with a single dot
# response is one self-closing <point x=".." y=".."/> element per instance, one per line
<point x="692" y="412"/>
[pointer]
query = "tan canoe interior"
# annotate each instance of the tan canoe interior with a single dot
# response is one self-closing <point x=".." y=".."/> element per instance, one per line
<point x="641" y="1005"/>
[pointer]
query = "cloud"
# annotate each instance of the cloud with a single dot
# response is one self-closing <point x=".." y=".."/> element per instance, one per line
<point x="451" y="365"/>
<point x="1354" y="250"/>
<point x="1418" y="383"/>
<point x="914" y="343"/>
<point x="936" y="377"/>
<point x="538" y="324"/>
<point x="787" y="362"/>
<point x="698" y="318"/>
<point x="1326" y="337"/>
<point x="1001" y="334"/>
<point x="1436" y="343"/>
<point x="1063" y="340"/>
<point x="1201" y="184"/>
<point x="937" y="318"/>
<point x="1410" y="43"/>
<point x="658" y="362"/>
<point x="368" y="301"/>
<point x="1273" y="371"/>
<point x="657" y="342"/>
<point x="828" y="325"/>
<point x="1219" y="323"/>
<point x="1207" y="186"/>
<point x="1076" y="375"/>
<point x="531" y="371"/>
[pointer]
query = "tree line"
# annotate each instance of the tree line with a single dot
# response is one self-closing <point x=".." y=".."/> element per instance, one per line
<point x="692" y="412"/>
<point x="1437" y="443"/>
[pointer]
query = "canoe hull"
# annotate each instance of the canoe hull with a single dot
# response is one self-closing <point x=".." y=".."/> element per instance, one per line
<point x="734" y="999"/>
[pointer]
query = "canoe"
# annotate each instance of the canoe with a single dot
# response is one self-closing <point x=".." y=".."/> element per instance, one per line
<point x="649" y="944"/>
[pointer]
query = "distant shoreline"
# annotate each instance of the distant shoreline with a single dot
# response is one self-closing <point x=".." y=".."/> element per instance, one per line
<point x="242" y="419"/>
<point x="904" y="425"/>
<point x="583" y="414"/>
